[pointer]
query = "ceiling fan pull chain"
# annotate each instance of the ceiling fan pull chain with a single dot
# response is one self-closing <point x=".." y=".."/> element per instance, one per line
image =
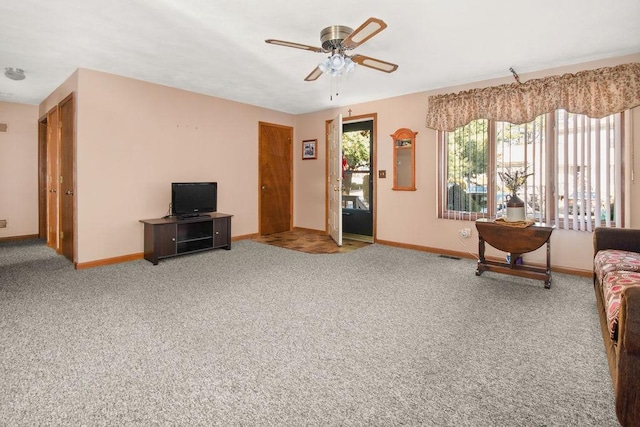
<point x="331" y="90"/>
<point x="335" y="79"/>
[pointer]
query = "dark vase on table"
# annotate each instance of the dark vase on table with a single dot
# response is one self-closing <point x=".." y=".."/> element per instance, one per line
<point x="515" y="209"/>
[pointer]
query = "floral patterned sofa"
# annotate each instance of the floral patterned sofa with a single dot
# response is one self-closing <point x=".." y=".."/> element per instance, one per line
<point x="616" y="277"/>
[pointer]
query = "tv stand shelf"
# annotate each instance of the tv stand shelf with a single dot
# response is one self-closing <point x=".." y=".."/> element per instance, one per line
<point x="172" y="236"/>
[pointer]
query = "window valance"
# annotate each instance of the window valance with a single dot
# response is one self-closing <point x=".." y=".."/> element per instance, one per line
<point x="595" y="93"/>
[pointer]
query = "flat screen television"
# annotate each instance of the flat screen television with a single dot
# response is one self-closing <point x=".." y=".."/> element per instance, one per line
<point x="189" y="199"/>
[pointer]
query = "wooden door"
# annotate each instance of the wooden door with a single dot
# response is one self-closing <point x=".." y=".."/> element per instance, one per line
<point x="334" y="180"/>
<point x="67" y="178"/>
<point x="53" y="179"/>
<point x="275" y="178"/>
<point x="42" y="178"/>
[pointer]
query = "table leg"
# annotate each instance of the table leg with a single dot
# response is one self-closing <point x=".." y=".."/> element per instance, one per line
<point x="481" y="259"/>
<point x="547" y="282"/>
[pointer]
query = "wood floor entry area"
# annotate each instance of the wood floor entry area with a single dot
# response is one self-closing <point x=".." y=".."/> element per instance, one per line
<point x="311" y="243"/>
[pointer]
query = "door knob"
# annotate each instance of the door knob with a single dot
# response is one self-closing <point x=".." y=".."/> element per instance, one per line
<point x="69" y="192"/>
<point x="264" y="187"/>
<point x="336" y="188"/>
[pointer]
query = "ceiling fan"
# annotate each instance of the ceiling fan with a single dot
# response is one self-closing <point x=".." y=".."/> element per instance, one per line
<point x="337" y="40"/>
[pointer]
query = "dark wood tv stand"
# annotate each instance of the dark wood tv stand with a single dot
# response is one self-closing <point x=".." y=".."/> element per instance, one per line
<point x="172" y="236"/>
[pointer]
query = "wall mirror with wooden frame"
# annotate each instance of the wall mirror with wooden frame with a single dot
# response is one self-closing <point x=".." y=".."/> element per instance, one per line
<point x="404" y="159"/>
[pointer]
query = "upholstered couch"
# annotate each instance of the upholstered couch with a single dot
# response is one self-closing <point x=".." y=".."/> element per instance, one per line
<point x="617" y="287"/>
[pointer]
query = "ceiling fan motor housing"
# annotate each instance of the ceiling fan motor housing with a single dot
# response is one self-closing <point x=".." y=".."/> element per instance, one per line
<point x="332" y="37"/>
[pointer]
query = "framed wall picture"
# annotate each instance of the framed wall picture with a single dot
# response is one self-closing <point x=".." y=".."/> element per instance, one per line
<point x="309" y="149"/>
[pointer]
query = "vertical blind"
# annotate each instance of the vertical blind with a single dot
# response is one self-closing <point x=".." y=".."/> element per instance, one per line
<point x="575" y="164"/>
<point x="589" y="179"/>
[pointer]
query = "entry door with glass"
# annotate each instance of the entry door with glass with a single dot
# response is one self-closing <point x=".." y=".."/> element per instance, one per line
<point x="357" y="185"/>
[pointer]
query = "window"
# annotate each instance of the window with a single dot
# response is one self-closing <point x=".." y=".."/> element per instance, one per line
<point x="574" y="162"/>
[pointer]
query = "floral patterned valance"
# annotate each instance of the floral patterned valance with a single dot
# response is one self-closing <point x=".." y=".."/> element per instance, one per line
<point x="595" y="93"/>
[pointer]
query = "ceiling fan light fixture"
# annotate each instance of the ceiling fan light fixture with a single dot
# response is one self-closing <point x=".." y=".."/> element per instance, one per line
<point x="325" y="65"/>
<point x="349" y="65"/>
<point x="337" y="62"/>
<point x="14" y="73"/>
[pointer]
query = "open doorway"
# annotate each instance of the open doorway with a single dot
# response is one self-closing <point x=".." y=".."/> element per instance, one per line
<point x="358" y="182"/>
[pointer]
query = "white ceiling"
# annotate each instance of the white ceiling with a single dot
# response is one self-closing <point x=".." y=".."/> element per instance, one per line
<point x="217" y="47"/>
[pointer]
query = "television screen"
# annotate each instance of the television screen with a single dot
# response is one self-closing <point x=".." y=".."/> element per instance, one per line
<point x="193" y="198"/>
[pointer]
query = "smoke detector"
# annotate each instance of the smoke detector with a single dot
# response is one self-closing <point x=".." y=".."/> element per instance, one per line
<point x="14" y="73"/>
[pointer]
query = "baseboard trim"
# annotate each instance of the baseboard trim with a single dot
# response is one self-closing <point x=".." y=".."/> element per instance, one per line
<point x="17" y="238"/>
<point x="134" y="257"/>
<point x="573" y="271"/>
<point x="439" y="251"/>
<point x="558" y="269"/>
<point x="108" y="261"/>
<point x="426" y="249"/>
<point x="244" y="237"/>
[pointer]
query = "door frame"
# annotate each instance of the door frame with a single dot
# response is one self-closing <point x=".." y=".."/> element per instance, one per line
<point x="42" y="177"/>
<point x="358" y="221"/>
<point x="374" y="165"/>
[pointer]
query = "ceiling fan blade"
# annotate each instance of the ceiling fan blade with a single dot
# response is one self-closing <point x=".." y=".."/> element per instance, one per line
<point x="317" y="72"/>
<point x="296" y="45"/>
<point x="364" y="32"/>
<point x="376" y="64"/>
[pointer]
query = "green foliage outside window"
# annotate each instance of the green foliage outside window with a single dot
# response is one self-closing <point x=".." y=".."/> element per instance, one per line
<point x="355" y="146"/>
<point x="467" y="165"/>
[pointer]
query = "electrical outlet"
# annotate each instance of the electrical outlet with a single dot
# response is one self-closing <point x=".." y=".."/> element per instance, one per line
<point x="465" y="232"/>
<point x="3" y="223"/>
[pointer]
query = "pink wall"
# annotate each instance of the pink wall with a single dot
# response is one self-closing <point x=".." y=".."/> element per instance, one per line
<point x="410" y="217"/>
<point x="309" y="175"/>
<point x="19" y="162"/>
<point x="19" y="169"/>
<point x="135" y="138"/>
